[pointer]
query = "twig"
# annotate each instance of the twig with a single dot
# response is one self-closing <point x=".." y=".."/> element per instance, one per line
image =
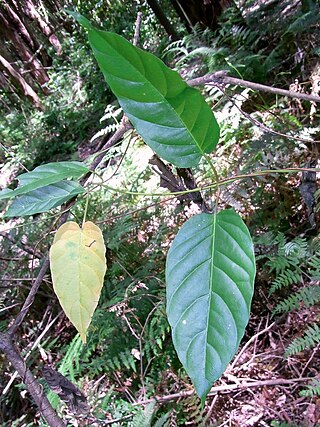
<point x="221" y="78"/>
<point x="260" y="125"/>
<point x="30" y="298"/>
<point x="248" y="343"/>
<point x="26" y="248"/>
<point x="34" y="388"/>
<point x="8" y="308"/>
<point x="124" y="127"/>
<point x="117" y="420"/>
<point x="228" y="388"/>
<point x="137" y="29"/>
<point x="37" y="341"/>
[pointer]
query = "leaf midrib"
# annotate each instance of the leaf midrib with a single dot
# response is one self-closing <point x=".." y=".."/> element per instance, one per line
<point x="214" y="226"/>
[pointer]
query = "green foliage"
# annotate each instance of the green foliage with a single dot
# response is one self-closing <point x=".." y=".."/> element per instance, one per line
<point x="296" y="267"/>
<point x="44" y="175"/>
<point x="172" y="118"/>
<point x="44" y="189"/>
<point x="44" y="199"/>
<point x="210" y="274"/>
<point x="77" y="95"/>
<point x="307" y="296"/>
<point x="312" y="389"/>
<point x="284" y="279"/>
<point x="129" y="340"/>
<point x="294" y="263"/>
<point x="310" y="339"/>
<point x="247" y="50"/>
<point x="145" y="418"/>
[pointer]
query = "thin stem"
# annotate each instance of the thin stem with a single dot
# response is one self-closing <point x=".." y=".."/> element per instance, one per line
<point x="85" y="209"/>
<point x="214" y="170"/>
<point x="216" y="176"/>
<point x="225" y="181"/>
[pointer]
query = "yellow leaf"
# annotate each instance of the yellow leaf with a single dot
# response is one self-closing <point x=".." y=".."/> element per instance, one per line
<point x="78" y="265"/>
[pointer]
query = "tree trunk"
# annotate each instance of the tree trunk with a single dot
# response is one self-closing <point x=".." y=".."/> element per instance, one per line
<point x="8" y="89"/>
<point x="163" y="19"/>
<point x="18" y="25"/>
<point x="202" y="12"/>
<point x="36" y="69"/>
<point x="37" y="43"/>
<point x="182" y="15"/>
<point x="20" y="82"/>
<point x="31" y="11"/>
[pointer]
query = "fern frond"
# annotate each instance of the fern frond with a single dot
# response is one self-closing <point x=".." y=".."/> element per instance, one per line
<point x="144" y="417"/>
<point x="192" y="407"/>
<point x="284" y="279"/>
<point x="314" y="266"/>
<point x="163" y="421"/>
<point x="70" y="364"/>
<point x="308" y="296"/>
<point x="123" y="359"/>
<point x="311" y="389"/>
<point x="310" y="339"/>
<point x="298" y="248"/>
<point x="111" y="113"/>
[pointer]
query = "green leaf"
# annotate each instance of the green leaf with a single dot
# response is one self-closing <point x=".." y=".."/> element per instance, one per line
<point x="5" y="193"/>
<point x="78" y="265"/>
<point x="43" y="199"/>
<point x="43" y="175"/>
<point x="172" y="118"/>
<point x="210" y="275"/>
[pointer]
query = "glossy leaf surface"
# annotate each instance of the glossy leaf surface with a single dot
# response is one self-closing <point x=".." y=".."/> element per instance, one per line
<point x="172" y="118"/>
<point x="78" y="266"/>
<point x="43" y="175"/>
<point x="43" y="199"/>
<point x="210" y="275"/>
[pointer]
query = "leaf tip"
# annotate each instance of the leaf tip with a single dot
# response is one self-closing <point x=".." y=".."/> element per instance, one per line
<point x="84" y="22"/>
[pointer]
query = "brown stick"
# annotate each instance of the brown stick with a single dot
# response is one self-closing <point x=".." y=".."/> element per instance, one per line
<point x="225" y="388"/>
<point x="20" y="82"/>
<point x="34" y="388"/>
<point x="137" y="29"/>
<point x="221" y="78"/>
<point x="23" y="246"/>
<point x="29" y="300"/>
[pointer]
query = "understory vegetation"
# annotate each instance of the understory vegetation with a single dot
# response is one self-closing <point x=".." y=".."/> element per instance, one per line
<point x="129" y="358"/>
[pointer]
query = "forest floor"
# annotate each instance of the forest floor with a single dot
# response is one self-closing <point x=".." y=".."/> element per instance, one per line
<point x="269" y="384"/>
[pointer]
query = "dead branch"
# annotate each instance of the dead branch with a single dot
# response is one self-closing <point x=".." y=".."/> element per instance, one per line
<point x="29" y="300"/>
<point x="220" y="78"/>
<point x="243" y="385"/>
<point x="13" y="355"/>
<point x="25" y="247"/>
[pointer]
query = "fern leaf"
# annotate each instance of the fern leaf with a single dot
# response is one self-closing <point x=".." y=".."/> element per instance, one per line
<point x="163" y="421"/>
<point x="310" y="339"/>
<point x="312" y="389"/>
<point x="284" y="279"/>
<point x="308" y="296"/>
<point x="144" y="417"/>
